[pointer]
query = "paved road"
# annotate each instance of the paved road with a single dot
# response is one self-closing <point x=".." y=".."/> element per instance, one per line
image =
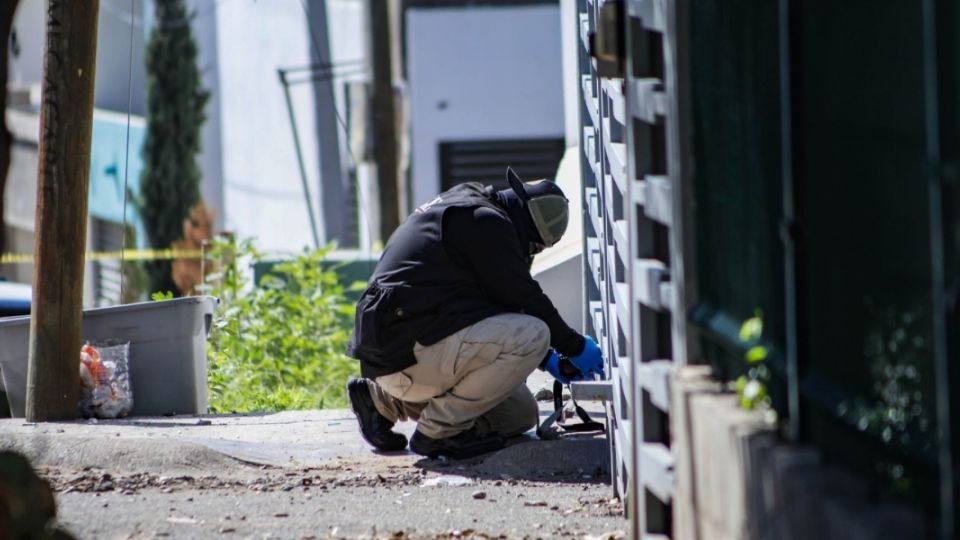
<point x="531" y="489"/>
<point x="307" y="474"/>
<point x="331" y="507"/>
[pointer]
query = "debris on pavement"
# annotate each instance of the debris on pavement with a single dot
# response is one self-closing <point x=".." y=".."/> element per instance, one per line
<point x="447" y="480"/>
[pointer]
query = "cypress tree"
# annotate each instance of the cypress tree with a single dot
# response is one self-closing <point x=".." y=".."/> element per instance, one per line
<point x="170" y="185"/>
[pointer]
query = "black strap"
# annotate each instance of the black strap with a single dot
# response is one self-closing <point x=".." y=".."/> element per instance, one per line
<point x="558" y="395"/>
<point x="586" y="423"/>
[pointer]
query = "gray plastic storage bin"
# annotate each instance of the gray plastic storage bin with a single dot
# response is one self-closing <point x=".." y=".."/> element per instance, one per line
<point x="168" y="352"/>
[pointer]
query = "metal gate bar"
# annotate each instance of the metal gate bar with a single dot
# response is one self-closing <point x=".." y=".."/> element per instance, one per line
<point x="634" y="251"/>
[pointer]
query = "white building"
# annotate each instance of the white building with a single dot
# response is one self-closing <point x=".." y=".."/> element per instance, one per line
<point x="488" y="88"/>
<point x="481" y="89"/>
<point x="251" y="178"/>
<point x="485" y="91"/>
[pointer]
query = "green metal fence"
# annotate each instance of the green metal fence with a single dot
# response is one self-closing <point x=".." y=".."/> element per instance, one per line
<point x="825" y="140"/>
<point x="797" y="162"/>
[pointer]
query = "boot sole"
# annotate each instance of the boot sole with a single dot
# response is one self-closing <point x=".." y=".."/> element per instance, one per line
<point x="479" y="451"/>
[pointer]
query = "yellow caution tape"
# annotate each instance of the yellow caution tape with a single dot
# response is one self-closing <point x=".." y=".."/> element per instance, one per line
<point x="126" y="255"/>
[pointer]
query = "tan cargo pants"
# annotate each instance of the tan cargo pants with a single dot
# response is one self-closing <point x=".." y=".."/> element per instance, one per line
<point x="474" y="376"/>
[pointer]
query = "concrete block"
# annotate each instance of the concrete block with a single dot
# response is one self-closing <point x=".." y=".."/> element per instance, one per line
<point x="792" y="476"/>
<point x="736" y="479"/>
<point x="711" y="444"/>
<point x="757" y="450"/>
<point x="853" y="519"/>
<point x="685" y="382"/>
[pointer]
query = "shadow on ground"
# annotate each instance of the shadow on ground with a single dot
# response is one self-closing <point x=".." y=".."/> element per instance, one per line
<point x="573" y="458"/>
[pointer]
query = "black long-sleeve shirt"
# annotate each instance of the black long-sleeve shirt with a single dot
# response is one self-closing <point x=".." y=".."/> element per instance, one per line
<point x="484" y="240"/>
<point x="455" y="261"/>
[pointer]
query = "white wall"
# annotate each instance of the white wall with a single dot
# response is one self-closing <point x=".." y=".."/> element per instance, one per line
<point x="115" y="78"/>
<point x="28" y="22"/>
<point x="348" y="43"/>
<point x="559" y="269"/>
<point x="210" y="158"/>
<point x="262" y="193"/>
<point x="113" y="52"/>
<point x="250" y="175"/>
<point x="570" y="36"/>
<point x="116" y="83"/>
<point x="480" y="73"/>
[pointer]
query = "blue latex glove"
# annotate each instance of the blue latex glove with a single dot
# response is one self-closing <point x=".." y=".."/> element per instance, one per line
<point x="577" y="368"/>
<point x="553" y="367"/>
<point x="590" y="361"/>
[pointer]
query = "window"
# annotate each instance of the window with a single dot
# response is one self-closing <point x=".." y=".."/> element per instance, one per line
<point x="487" y="161"/>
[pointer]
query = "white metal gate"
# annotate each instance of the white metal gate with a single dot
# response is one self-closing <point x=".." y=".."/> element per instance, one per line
<point x="634" y="244"/>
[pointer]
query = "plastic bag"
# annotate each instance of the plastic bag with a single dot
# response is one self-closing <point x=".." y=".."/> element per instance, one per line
<point x="105" y="379"/>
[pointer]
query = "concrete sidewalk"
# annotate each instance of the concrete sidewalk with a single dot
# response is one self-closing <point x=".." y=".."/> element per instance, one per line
<point x="210" y="442"/>
<point x="307" y="474"/>
<point x="185" y="443"/>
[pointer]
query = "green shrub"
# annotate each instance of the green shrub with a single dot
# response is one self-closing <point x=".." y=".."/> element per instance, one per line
<point x="170" y="184"/>
<point x="278" y="345"/>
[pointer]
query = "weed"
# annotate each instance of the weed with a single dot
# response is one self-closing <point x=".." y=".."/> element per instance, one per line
<point x="277" y="345"/>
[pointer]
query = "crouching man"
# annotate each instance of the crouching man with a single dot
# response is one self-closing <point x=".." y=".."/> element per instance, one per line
<point x="452" y="322"/>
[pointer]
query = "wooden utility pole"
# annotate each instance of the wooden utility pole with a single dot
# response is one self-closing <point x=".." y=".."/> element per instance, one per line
<point x="66" y="122"/>
<point x="384" y="115"/>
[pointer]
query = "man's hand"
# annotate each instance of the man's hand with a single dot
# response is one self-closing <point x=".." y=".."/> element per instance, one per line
<point x="561" y="368"/>
<point x="577" y="368"/>
<point x="590" y="361"/>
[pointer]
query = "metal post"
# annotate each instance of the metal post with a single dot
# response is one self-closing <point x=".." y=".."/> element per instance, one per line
<point x="789" y="229"/>
<point x="66" y="120"/>
<point x="636" y="498"/>
<point x="334" y="189"/>
<point x="945" y="373"/>
<point x="303" y="171"/>
<point x="384" y="115"/>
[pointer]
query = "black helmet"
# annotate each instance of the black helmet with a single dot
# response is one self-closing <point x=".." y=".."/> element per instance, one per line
<point x="547" y="205"/>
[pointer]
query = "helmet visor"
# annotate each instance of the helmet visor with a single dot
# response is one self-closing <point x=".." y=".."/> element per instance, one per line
<point x="550" y="216"/>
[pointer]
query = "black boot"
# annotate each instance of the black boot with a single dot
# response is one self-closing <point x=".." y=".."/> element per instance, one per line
<point x="463" y="445"/>
<point x="374" y="427"/>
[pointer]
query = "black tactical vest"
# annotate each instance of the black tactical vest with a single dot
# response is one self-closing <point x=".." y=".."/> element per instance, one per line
<point x="417" y="293"/>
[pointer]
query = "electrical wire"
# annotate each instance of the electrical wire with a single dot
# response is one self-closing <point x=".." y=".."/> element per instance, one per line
<point x="321" y="72"/>
<point x="328" y="65"/>
<point x="323" y="77"/>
